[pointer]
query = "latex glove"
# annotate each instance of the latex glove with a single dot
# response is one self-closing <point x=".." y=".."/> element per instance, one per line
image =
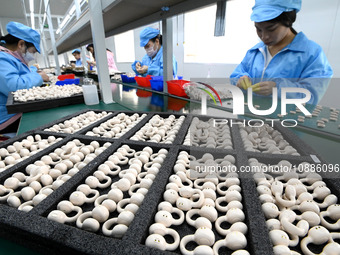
<point x="244" y="82"/>
<point x="44" y="76"/>
<point x="36" y="65"/>
<point x="138" y="65"/>
<point x="264" y="88"/>
<point x="142" y="70"/>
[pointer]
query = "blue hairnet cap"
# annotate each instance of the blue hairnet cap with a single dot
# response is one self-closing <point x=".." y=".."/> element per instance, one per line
<point x="76" y="50"/>
<point x="24" y="33"/>
<point x="265" y="10"/>
<point x="146" y="34"/>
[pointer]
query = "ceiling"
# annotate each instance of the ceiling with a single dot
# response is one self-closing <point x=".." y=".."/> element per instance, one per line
<point x="13" y="10"/>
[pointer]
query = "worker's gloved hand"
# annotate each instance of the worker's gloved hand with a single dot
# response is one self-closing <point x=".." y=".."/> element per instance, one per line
<point x="142" y="69"/>
<point x="44" y="76"/>
<point x="138" y="65"/>
<point x="244" y="82"/>
<point x="264" y="88"/>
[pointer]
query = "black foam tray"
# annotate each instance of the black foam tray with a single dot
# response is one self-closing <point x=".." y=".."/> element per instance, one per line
<point x="32" y="229"/>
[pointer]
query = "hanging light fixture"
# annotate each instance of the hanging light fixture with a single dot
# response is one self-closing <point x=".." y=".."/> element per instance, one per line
<point x="32" y="14"/>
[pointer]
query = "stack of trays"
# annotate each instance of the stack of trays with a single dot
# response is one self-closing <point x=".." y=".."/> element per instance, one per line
<point x="77" y="191"/>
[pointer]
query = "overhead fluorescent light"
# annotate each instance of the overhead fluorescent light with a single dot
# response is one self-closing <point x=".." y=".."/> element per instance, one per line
<point x="65" y="20"/>
<point x="32" y="20"/>
<point x="58" y="31"/>
<point x="72" y="10"/>
<point x="31" y="5"/>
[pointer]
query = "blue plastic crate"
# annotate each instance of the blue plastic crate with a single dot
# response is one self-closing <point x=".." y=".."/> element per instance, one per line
<point x="157" y="85"/>
<point x="127" y="79"/>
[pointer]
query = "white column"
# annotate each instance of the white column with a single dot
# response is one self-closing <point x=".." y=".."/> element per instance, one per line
<point x="167" y="52"/>
<point x="50" y="27"/>
<point x="98" y="35"/>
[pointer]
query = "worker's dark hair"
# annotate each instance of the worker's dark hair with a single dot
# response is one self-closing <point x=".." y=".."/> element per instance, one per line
<point x="159" y="36"/>
<point x="286" y="19"/>
<point x="12" y="40"/>
<point x="89" y="46"/>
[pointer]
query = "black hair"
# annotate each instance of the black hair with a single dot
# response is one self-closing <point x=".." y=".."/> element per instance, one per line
<point x="76" y="51"/>
<point x="286" y="19"/>
<point x="89" y="46"/>
<point x="12" y="40"/>
<point x="159" y="37"/>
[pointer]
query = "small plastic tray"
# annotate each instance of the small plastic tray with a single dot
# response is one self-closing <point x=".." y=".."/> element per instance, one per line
<point x="175" y="87"/>
<point x="127" y="79"/>
<point x="68" y="82"/>
<point x="143" y="81"/>
<point x="66" y="76"/>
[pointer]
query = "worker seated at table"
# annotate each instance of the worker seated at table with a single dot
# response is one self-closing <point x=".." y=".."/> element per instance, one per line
<point x="109" y="55"/>
<point x="284" y="58"/>
<point x="17" y="49"/>
<point x="152" y="62"/>
<point x="76" y="54"/>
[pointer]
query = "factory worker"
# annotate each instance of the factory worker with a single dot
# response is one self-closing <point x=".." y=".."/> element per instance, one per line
<point x="76" y="55"/>
<point x="152" y="62"/>
<point x="284" y="58"/>
<point x="18" y="48"/>
<point x="109" y="55"/>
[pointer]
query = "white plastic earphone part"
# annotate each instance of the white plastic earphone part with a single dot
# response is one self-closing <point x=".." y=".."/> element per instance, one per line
<point x="308" y="205"/>
<point x="282" y="249"/>
<point x="237" y="226"/>
<point x="158" y="241"/>
<point x="165" y="218"/>
<point x="105" y="201"/>
<point x="240" y="252"/>
<point x="185" y="204"/>
<point x="321" y="192"/>
<point x="232" y="187"/>
<point x="85" y="222"/>
<point x="64" y="208"/>
<point x="231" y="204"/>
<point x="333" y="212"/>
<point x="329" y="200"/>
<point x="230" y="196"/>
<point x="160" y="229"/>
<point x="166" y="206"/>
<point x="279" y="237"/>
<point x="96" y="180"/>
<point x="270" y="210"/>
<point x="5" y="193"/>
<point x="319" y="235"/>
<point x="287" y="218"/>
<point x="117" y="231"/>
<point x="206" y="211"/>
<point x="199" y="222"/>
<point x="79" y="197"/>
<point x="235" y="240"/>
<point x="202" y="236"/>
<point x="273" y="224"/>
<point x="171" y="196"/>
<point x="290" y="193"/>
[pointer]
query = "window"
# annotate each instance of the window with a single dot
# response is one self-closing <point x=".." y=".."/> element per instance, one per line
<point x="240" y="35"/>
<point x="125" y="47"/>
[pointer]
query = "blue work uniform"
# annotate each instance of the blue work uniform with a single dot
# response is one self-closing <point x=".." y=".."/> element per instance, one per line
<point x="302" y="63"/>
<point x="14" y="75"/>
<point x="79" y="63"/>
<point x="155" y="65"/>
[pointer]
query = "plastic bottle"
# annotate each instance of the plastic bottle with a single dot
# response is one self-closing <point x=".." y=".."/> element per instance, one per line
<point x="90" y="92"/>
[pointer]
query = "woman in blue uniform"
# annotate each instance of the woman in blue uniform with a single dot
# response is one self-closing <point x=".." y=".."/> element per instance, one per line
<point x="152" y="62"/>
<point x="17" y="49"/>
<point x="284" y="58"/>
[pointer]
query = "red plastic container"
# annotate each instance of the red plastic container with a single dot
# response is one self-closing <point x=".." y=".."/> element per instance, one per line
<point x="143" y="81"/>
<point x="66" y="76"/>
<point x="175" y="87"/>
